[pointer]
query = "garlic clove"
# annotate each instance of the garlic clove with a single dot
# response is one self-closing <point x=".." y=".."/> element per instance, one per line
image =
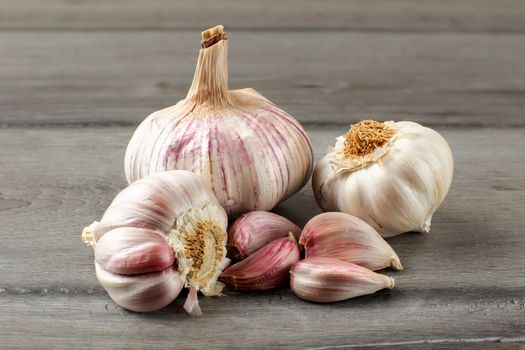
<point x="265" y="269"/>
<point x="131" y="250"/>
<point x="141" y="293"/>
<point x="255" y="229"/>
<point x="327" y="280"/>
<point x="345" y="237"/>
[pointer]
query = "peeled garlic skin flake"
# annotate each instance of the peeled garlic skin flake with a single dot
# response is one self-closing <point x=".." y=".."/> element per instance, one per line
<point x="391" y="175"/>
<point x="252" y="153"/>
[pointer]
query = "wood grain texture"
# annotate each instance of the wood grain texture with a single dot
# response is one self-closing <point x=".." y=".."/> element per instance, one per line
<point x="321" y="77"/>
<point x="405" y="15"/>
<point x="463" y="282"/>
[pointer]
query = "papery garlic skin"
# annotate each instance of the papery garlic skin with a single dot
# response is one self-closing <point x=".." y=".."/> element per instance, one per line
<point x="267" y="268"/>
<point x="327" y="280"/>
<point x="191" y="305"/>
<point x="396" y="188"/>
<point x="155" y="203"/>
<point x="141" y="293"/>
<point x="344" y="237"/>
<point x="252" y="153"/>
<point x="253" y="230"/>
<point x="173" y="210"/>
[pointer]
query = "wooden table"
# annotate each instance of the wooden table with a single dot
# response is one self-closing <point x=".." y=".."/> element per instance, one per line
<point x="76" y="77"/>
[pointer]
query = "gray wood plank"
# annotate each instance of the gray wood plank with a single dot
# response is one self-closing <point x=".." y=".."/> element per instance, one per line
<point x="405" y="15"/>
<point x="327" y="77"/>
<point x="463" y="282"/>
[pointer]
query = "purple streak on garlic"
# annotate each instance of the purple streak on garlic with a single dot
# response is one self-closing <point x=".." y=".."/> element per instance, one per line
<point x="131" y="250"/>
<point x="253" y="230"/>
<point x="265" y="269"/>
<point x="327" y="280"/>
<point x="253" y="154"/>
<point x="172" y="209"/>
<point x="141" y="293"/>
<point x="345" y="237"/>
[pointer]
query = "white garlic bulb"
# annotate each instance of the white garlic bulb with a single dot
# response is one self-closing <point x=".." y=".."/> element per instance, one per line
<point x="253" y="154"/>
<point x="159" y="233"/>
<point x="392" y="175"/>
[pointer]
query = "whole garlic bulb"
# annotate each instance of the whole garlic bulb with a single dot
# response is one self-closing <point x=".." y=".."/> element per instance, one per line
<point x="158" y="234"/>
<point x="392" y="175"/>
<point x="252" y="153"/>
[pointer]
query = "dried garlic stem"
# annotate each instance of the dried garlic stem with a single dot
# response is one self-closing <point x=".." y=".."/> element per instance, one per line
<point x="212" y="36"/>
<point x="210" y="82"/>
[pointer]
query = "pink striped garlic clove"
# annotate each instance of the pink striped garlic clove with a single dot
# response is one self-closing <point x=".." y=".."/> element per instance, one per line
<point x="344" y="237"/>
<point x="265" y="269"/>
<point x="255" y="229"/>
<point x="327" y="280"/>
<point x="132" y="250"/>
<point x="141" y="293"/>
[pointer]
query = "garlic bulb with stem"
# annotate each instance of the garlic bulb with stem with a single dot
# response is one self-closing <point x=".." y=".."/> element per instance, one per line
<point x="253" y="230"/>
<point x="392" y="175"/>
<point x="252" y="153"/>
<point x="166" y="216"/>
<point x="344" y="237"/>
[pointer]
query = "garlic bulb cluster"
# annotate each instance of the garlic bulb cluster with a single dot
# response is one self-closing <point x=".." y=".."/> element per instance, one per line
<point x="252" y="153"/>
<point x="159" y="234"/>
<point x="392" y="175"/>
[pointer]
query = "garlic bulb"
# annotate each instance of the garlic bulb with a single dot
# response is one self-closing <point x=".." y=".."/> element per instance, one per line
<point x="327" y="280"/>
<point x="391" y="175"/>
<point x="169" y="215"/>
<point x="347" y="238"/>
<point x="252" y="153"/>
<point x="253" y="230"/>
